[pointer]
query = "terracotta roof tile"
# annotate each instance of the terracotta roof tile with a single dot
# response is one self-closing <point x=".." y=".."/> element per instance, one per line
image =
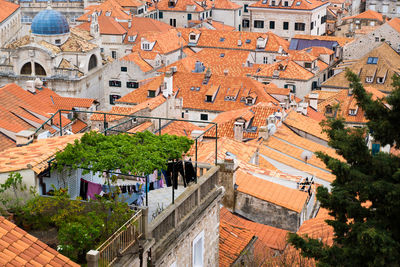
<point x="165" y="41"/>
<point x="287" y="69"/>
<point x="318" y="228"/>
<point x="233" y="240"/>
<point x="7" y="9"/>
<point x="17" y="253"/>
<point x="368" y="14"/>
<point x="183" y="83"/>
<point x="113" y="7"/>
<point x="271" y="192"/>
<point x="138" y="60"/>
<point x="395" y="24"/>
<point x="107" y="25"/>
<point x="78" y="126"/>
<point x="305" y="124"/>
<point x="180" y="128"/>
<point x="182" y="5"/>
<point x="224" y="4"/>
<point x="141" y="127"/>
<point x="34" y="156"/>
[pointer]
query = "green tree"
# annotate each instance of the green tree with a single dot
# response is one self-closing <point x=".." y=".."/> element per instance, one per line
<point x="365" y="196"/>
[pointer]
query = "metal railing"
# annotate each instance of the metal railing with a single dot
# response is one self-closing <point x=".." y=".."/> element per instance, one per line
<point x="121" y="240"/>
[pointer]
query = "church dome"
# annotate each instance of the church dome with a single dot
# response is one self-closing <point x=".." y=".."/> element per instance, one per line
<point x="49" y="22"/>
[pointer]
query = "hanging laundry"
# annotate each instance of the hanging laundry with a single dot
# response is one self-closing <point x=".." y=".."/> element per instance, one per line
<point x="83" y="189"/>
<point x="93" y="189"/>
<point x="190" y="174"/>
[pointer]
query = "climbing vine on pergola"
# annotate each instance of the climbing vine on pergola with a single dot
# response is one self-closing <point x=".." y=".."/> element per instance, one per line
<point x="137" y="154"/>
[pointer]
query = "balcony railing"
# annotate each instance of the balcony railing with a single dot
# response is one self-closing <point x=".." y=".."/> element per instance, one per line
<point x="121" y="240"/>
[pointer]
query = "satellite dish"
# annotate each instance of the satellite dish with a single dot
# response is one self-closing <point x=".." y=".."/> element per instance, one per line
<point x="306" y="155"/>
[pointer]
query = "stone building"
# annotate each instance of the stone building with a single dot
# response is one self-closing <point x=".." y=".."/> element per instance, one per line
<point x="68" y="61"/>
<point x="288" y="17"/>
<point x="389" y="8"/>
<point x="10" y="21"/>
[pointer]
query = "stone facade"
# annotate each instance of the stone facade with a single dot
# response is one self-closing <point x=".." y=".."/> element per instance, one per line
<point x="291" y="16"/>
<point x="181" y="253"/>
<point x="364" y="44"/>
<point x="389" y="8"/>
<point x="10" y="27"/>
<point x="268" y="213"/>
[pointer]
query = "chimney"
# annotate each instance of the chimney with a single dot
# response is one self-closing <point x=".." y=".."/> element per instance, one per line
<point x="24" y="137"/>
<point x="238" y="130"/>
<point x="94" y="26"/>
<point x="263" y="133"/>
<point x="226" y="72"/>
<point x="129" y="23"/>
<point x="271" y="119"/>
<point x="239" y="42"/>
<point x="227" y="179"/>
<point x="313" y="101"/>
<point x="30" y="86"/>
<point x="302" y="108"/>
<point x="280" y="50"/>
<point x="168" y="82"/>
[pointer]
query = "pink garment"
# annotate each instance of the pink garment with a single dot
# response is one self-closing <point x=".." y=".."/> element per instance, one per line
<point x="93" y="189"/>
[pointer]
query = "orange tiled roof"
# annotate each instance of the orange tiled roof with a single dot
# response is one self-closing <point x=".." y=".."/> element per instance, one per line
<point x="180" y="128"/>
<point x="255" y="115"/>
<point x="280" y="195"/>
<point x="317" y="227"/>
<point x="183" y="83"/>
<point x="219" y="61"/>
<point x="21" y="110"/>
<point x="60" y="102"/>
<point x="136" y="57"/>
<point x="267" y="236"/>
<point x="18" y="248"/>
<point x="34" y="156"/>
<point x="78" y="126"/>
<point x="233" y="240"/>
<point x="395" y="24"/>
<point x="7" y="9"/>
<point x="182" y="5"/>
<point x="304" y="5"/>
<point x="113" y="7"/>
<point x="165" y="41"/>
<point x="368" y="14"/>
<point x="316" y="51"/>
<point x="288" y="70"/>
<point x="107" y="25"/>
<point x="206" y="150"/>
<point x="306" y="124"/>
<point x="151" y="104"/>
<point x="223" y="4"/>
<point x="219" y="26"/>
<point x="212" y="39"/>
<point x="141" y="127"/>
<point x="5" y="142"/>
<point x="129" y="3"/>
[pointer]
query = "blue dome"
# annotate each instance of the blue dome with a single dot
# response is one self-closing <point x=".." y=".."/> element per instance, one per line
<point x="49" y="22"/>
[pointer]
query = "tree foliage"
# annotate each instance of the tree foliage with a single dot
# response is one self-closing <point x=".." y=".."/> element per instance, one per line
<point x="365" y="196"/>
<point x="137" y="154"/>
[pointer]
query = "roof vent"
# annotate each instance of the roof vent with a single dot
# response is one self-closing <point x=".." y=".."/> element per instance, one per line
<point x="24" y="137"/>
<point x="198" y="67"/>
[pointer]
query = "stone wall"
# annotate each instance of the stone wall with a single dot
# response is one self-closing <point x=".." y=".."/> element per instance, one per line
<point x="265" y="212"/>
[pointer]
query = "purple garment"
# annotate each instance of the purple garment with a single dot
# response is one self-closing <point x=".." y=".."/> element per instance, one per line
<point x="93" y="189"/>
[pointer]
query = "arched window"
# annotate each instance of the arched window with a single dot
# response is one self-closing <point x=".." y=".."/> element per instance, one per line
<point x="26" y="69"/>
<point x="39" y="70"/>
<point x="92" y="62"/>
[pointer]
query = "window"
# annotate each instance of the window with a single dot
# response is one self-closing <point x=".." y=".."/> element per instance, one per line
<point x="265" y="60"/>
<point x="352" y="112"/>
<point x="286" y="3"/>
<point x="189" y="16"/>
<point x="372" y="60"/>
<point x="124" y="69"/>
<point x="369" y="79"/>
<point x="57" y="41"/>
<point x="92" y="62"/>
<point x="192" y="37"/>
<point x="26" y="19"/>
<point x="240" y="12"/>
<point x="245" y="8"/>
<point x="385" y="9"/>
<point x="203" y="117"/>
<point x="312" y="25"/>
<point x="151" y="93"/>
<point x="292" y="87"/>
<point x="323" y="19"/>
<point x="246" y="23"/>
<point x="113" y="98"/>
<point x="375" y="149"/>
<point x="328" y="109"/>
<point x="160" y="15"/>
<point x="299" y="26"/>
<point x="307" y="65"/>
<point x="380" y="80"/>
<point x="376" y="39"/>
<point x="273" y="3"/>
<point x="131" y="38"/>
<point x="114" y="54"/>
<point x="113" y="83"/>
<point x="272" y="24"/>
<point x="140" y="11"/>
<point x="259" y="24"/>
<point x="286" y="25"/>
<point x="172" y="22"/>
<point x="132" y="84"/>
<point x="146" y="46"/>
<point x="208" y="98"/>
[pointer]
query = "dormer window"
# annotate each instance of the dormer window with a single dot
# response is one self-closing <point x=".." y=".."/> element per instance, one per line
<point x="192" y="37"/>
<point x="307" y="65"/>
<point x="372" y="60"/>
<point x="151" y="93"/>
<point x="273" y="3"/>
<point x="352" y="112"/>
<point x="208" y="98"/>
<point x="146" y="46"/>
<point x="328" y="110"/>
<point x="369" y="79"/>
<point x="286" y="3"/>
<point x="131" y="38"/>
<point x="380" y="80"/>
<point x="108" y="13"/>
